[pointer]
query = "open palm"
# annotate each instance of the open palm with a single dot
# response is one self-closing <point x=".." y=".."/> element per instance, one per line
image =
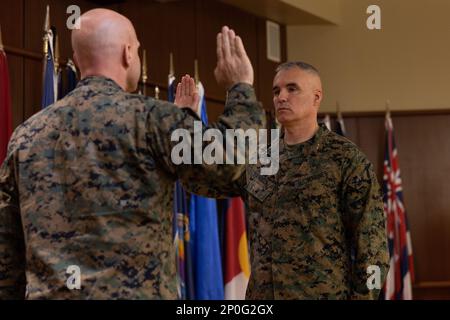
<point x="187" y="94"/>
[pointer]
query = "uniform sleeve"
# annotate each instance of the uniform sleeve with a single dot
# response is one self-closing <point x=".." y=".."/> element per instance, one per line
<point x="12" y="252"/>
<point x="167" y="122"/>
<point x="366" y="226"/>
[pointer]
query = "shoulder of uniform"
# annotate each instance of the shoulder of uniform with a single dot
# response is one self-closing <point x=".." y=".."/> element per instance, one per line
<point x="343" y="147"/>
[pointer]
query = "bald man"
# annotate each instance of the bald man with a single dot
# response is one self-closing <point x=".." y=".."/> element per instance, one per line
<point x="86" y="190"/>
<point x="317" y="227"/>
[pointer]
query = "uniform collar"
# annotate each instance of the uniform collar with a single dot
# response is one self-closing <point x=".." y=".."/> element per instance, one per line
<point x="306" y="148"/>
<point x="99" y="81"/>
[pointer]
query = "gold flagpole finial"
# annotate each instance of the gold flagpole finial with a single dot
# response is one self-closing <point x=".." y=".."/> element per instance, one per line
<point x="47" y="19"/>
<point x="171" y="67"/>
<point x="1" y="40"/>
<point x="196" y="74"/>
<point x="144" y="72"/>
<point x="388" y="108"/>
<point x="157" y="93"/>
<point x="46" y="30"/>
<point x="56" y="53"/>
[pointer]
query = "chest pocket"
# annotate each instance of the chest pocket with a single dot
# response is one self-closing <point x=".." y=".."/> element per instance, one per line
<point x="260" y="187"/>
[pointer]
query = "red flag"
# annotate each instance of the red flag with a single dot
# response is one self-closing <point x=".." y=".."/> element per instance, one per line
<point x="237" y="265"/>
<point x="400" y="277"/>
<point x="5" y="107"/>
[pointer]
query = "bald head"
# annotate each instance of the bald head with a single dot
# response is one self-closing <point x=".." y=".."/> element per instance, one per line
<point x="106" y="45"/>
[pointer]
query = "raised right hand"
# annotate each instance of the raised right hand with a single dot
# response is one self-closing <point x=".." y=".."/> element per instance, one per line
<point x="233" y="64"/>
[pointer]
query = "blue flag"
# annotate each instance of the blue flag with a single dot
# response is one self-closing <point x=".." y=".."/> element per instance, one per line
<point x="71" y="77"/>
<point x="69" y="82"/>
<point x="181" y="235"/>
<point x="49" y="90"/>
<point x="205" y="242"/>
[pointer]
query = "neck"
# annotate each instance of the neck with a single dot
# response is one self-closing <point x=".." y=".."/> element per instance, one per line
<point x="299" y="133"/>
<point x="116" y="76"/>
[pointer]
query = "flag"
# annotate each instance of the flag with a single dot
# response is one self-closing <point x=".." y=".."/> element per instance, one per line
<point x="180" y="221"/>
<point x="399" y="280"/>
<point x="340" y="126"/>
<point x="71" y="76"/>
<point x="204" y="233"/>
<point x="171" y="88"/>
<point x="236" y="258"/>
<point x="49" y="95"/>
<point x="326" y="120"/>
<point x="5" y="106"/>
<point x="181" y="227"/>
<point x="180" y="214"/>
<point x="67" y="79"/>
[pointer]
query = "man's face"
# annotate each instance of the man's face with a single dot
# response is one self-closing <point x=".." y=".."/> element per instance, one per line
<point x="296" y="96"/>
<point x="134" y="72"/>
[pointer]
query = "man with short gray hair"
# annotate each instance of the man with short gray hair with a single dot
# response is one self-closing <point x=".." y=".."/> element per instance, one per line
<point x="317" y="226"/>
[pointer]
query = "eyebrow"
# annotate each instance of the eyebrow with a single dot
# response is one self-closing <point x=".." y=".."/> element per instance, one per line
<point x="291" y="84"/>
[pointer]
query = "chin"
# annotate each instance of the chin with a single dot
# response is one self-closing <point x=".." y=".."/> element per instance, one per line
<point x="282" y="119"/>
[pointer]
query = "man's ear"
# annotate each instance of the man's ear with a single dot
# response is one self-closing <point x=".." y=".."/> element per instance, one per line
<point x="318" y="96"/>
<point x="127" y="57"/>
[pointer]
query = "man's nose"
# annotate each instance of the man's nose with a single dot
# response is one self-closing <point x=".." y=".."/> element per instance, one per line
<point x="282" y="96"/>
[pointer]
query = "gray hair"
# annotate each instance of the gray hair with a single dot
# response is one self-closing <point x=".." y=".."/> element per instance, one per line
<point x="298" y="64"/>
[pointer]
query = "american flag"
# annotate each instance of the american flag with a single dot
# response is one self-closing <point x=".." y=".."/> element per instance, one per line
<point x="399" y="280"/>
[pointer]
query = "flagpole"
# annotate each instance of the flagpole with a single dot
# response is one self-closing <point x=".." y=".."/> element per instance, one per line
<point x="1" y="40"/>
<point x="45" y="48"/>
<point x="46" y="29"/>
<point x="171" y="80"/>
<point x="388" y="114"/>
<point x="144" y="72"/>
<point x="388" y="109"/>
<point x="196" y="74"/>
<point x="56" y="60"/>
<point x="56" y="67"/>
<point x="171" y="67"/>
<point x="338" y="109"/>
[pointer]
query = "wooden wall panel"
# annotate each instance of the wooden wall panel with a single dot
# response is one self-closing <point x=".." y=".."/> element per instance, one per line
<point x="32" y="94"/>
<point x="425" y="146"/>
<point x="212" y="16"/>
<point x="11" y="21"/>
<point x="161" y="29"/>
<point x="16" y="78"/>
<point x="370" y="137"/>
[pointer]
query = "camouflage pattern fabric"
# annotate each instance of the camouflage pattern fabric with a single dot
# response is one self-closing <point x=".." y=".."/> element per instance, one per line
<point x="323" y="206"/>
<point x="89" y="182"/>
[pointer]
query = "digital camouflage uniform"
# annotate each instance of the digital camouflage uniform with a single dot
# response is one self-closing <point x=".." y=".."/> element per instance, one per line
<point x="89" y="182"/>
<point x="303" y="222"/>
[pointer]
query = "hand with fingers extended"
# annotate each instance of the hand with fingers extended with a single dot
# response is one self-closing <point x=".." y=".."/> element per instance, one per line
<point x="233" y="64"/>
<point x="187" y="94"/>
